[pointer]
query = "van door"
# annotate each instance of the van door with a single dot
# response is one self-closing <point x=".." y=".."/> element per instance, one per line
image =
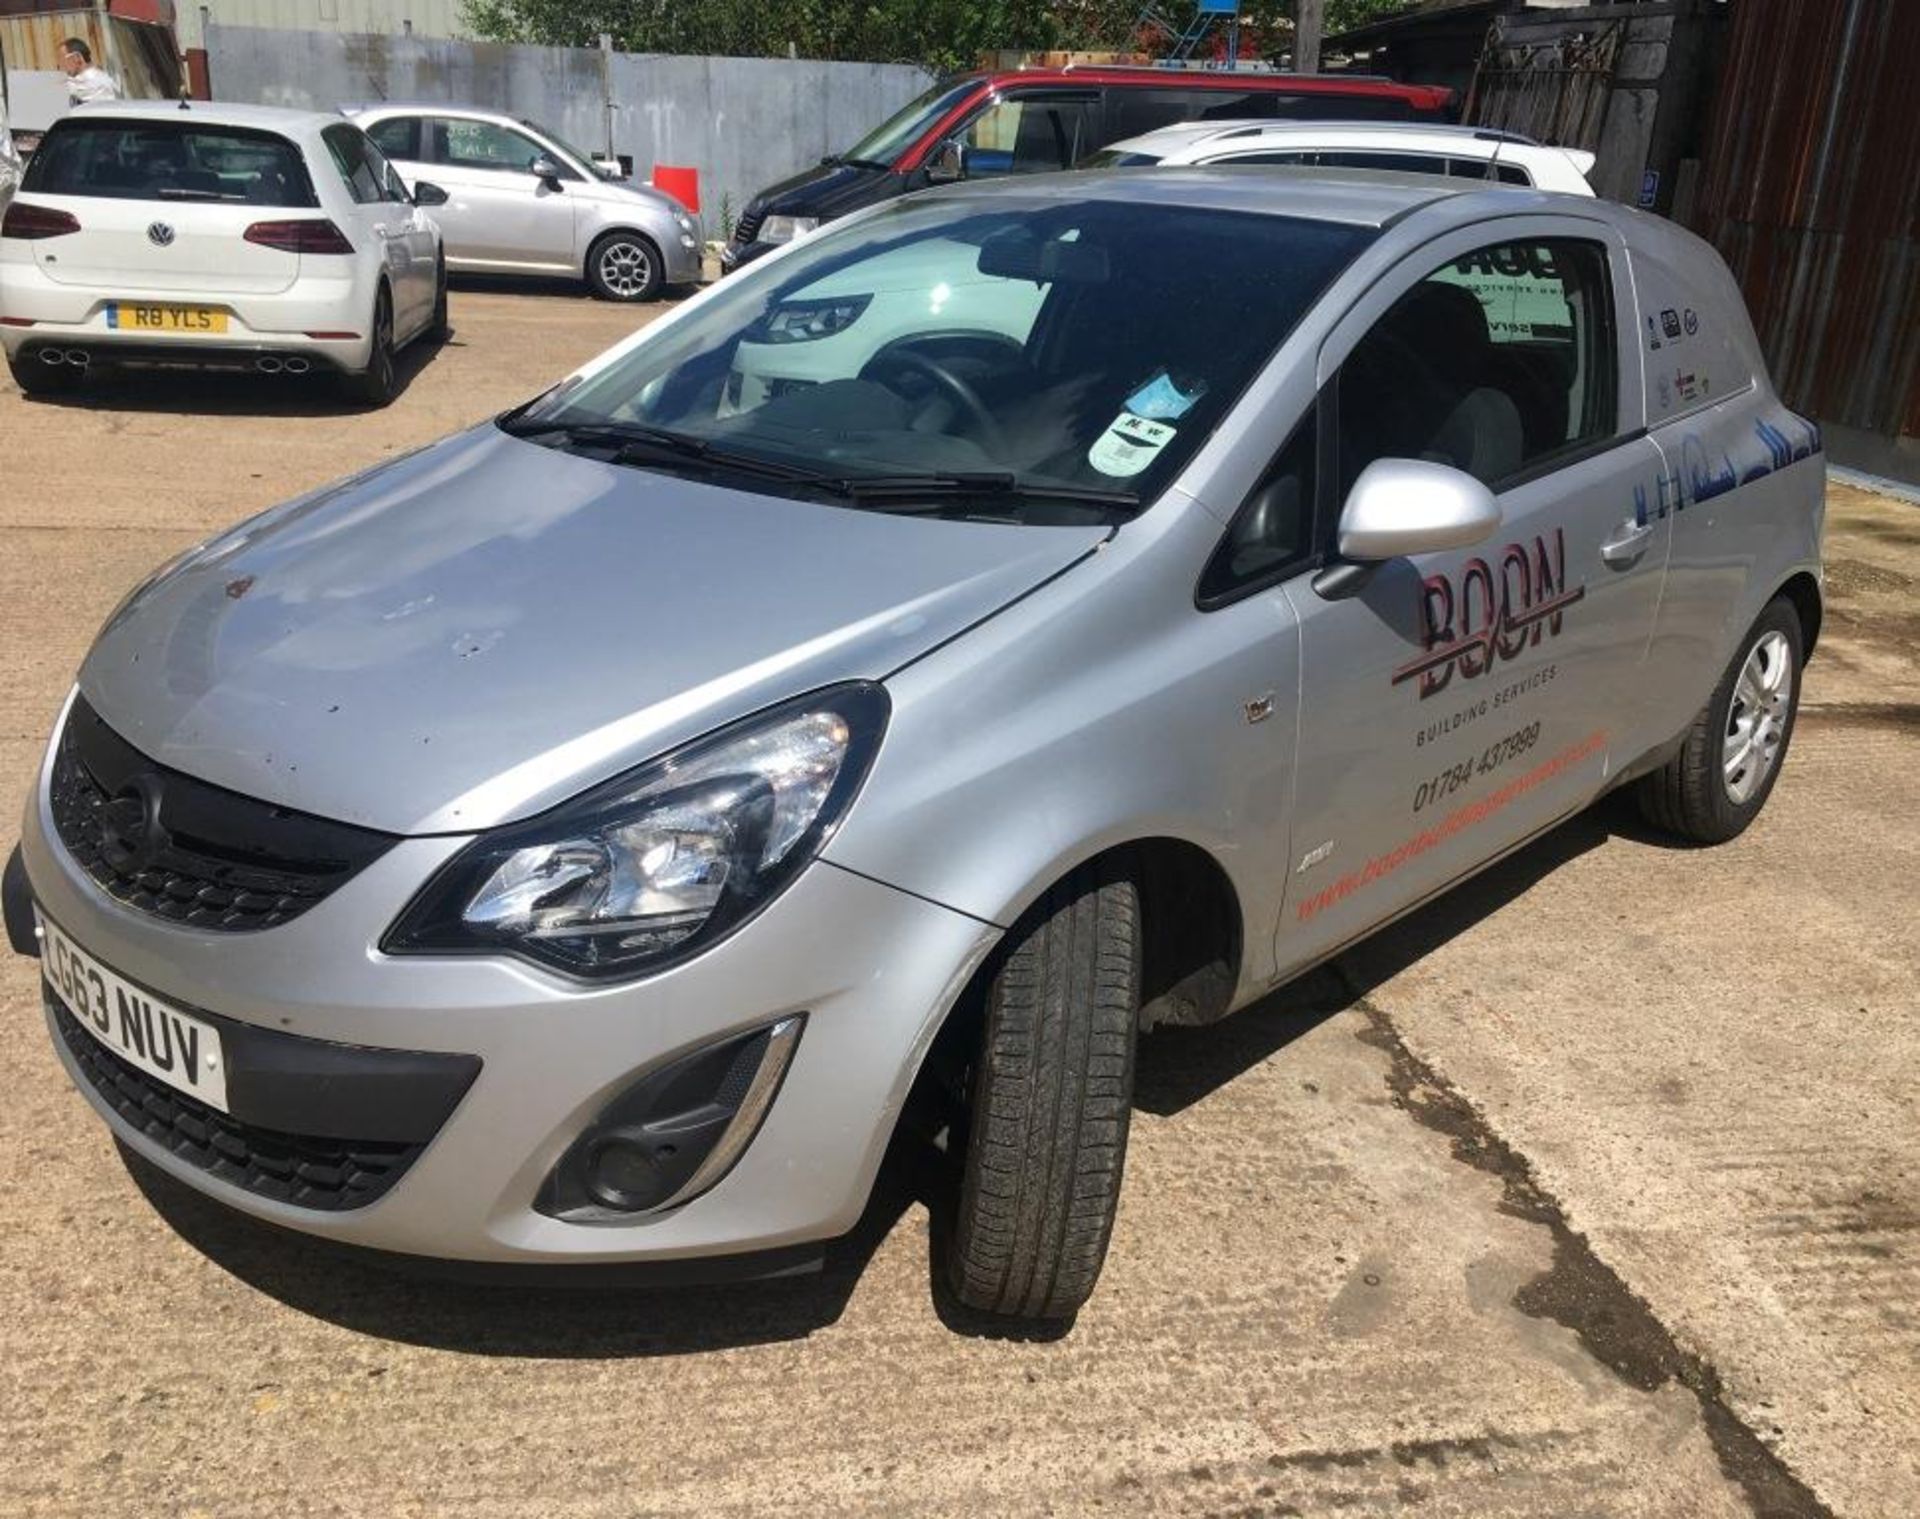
<point x="1461" y="701"/>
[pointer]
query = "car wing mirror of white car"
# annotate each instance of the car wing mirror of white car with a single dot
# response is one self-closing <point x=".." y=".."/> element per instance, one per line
<point x="547" y="171"/>
<point x="425" y="194"/>
<point x="1402" y="507"/>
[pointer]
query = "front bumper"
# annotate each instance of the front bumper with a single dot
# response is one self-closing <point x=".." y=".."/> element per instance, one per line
<point x="737" y="255"/>
<point x="872" y="969"/>
<point x="683" y="261"/>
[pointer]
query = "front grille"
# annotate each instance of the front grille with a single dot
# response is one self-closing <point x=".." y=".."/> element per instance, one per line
<point x="329" y="1175"/>
<point x="183" y="850"/>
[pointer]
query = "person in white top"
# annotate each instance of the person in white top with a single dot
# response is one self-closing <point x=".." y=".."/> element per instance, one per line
<point x="85" y="80"/>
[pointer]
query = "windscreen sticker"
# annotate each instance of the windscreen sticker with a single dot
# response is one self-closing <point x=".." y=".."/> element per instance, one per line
<point x="1129" y="445"/>
<point x="1165" y="399"/>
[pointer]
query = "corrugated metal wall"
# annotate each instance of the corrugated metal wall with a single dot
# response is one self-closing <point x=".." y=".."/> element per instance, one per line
<point x="1810" y="188"/>
<point x="384" y="18"/>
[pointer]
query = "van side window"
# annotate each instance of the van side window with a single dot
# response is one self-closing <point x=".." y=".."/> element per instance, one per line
<point x="1027" y="134"/>
<point x="1497" y="363"/>
<point x="1274" y="528"/>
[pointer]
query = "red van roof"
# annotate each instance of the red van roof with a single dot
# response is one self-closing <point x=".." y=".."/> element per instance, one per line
<point x="1427" y="99"/>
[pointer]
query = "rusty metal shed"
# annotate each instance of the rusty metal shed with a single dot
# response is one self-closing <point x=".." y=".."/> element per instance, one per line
<point x="1810" y="187"/>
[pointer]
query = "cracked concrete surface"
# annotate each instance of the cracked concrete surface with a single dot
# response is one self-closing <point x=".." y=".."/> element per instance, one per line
<point x="1702" y="1063"/>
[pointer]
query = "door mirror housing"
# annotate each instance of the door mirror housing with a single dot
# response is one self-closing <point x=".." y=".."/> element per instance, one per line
<point x="948" y="163"/>
<point x="1400" y="507"/>
<point x="425" y="194"/>
<point x="545" y="169"/>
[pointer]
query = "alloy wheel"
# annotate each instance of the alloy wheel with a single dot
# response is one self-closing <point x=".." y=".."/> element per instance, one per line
<point x="625" y="269"/>
<point x="1757" y="717"/>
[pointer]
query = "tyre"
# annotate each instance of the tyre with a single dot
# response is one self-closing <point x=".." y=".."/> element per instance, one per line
<point x="37" y="378"/>
<point x="1727" y="763"/>
<point x="1052" y="1096"/>
<point x="624" y="266"/>
<point x="379" y="382"/>
<point x="439" y="329"/>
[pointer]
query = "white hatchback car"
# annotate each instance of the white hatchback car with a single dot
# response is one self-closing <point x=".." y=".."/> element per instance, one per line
<point x="1401" y="148"/>
<point x="236" y="237"/>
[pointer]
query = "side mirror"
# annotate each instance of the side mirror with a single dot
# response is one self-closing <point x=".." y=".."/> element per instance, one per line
<point x="948" y="164"/>
<point x="544" y="168"/>
<point x="425" y="194"/>
<point x="1400" y="507"/>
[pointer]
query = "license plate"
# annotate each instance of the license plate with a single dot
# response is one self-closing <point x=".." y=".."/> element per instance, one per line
<point x="142" y="1030"/>
<point x="130" y="318"/>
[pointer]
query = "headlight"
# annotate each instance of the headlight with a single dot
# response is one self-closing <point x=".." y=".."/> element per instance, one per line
<point x="784" y="229"/>
<point x="659" y="864"/>
<point x="804" y="321"/>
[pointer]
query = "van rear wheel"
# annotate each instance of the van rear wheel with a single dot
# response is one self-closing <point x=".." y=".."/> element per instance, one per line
<point x="1052" y="1097"/>
<point x="1724" y="771"/>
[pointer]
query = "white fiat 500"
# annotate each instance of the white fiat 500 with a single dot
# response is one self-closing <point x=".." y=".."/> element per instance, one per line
<point x="232" y="237"/>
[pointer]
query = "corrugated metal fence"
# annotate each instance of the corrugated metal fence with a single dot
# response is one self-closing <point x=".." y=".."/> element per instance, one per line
<point x="1811" y="190"/>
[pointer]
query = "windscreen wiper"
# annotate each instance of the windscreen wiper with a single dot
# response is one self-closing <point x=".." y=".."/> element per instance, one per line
<point x="935" y="492"/>
<point x="640" y="444"/>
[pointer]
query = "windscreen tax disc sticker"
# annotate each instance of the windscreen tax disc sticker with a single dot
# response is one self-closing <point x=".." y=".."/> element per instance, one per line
<point x="1164" y="399"/>
<point x="1129" y="445"/>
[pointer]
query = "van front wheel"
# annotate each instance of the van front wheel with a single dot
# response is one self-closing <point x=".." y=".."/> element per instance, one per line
<point x="1052" y="1096"/>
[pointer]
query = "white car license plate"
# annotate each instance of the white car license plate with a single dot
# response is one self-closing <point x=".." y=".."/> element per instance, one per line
<point x="141" y="1029"/>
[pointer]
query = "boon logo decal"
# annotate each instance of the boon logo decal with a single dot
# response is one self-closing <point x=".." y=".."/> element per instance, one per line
<point x="1488" y="612"/>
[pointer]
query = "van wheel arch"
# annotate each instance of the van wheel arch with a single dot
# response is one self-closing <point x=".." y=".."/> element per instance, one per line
<point x="1029" y="1079"/>
<point x="1803" y="592"/>
<point x="1192" y="942"/>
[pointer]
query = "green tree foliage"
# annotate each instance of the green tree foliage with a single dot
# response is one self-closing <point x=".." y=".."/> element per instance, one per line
<point x="942" y="34"/>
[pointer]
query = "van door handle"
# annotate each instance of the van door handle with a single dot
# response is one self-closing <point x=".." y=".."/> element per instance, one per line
<point x="1628" y="543"/>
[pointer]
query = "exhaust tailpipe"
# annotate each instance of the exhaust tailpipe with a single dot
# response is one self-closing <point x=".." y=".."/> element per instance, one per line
<point x="268" y="364"/>
<point x="79" y="358"/>
<point x="54" y="356"/>
<point x="297" y="366"/>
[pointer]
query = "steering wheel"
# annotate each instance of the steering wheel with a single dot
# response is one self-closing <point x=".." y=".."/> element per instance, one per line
<point x="955" y="389"/>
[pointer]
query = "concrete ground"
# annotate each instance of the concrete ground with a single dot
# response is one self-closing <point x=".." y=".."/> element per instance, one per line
<point x="1592" y="1190"/>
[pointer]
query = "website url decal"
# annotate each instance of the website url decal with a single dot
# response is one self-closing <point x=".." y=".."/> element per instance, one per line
<point x="1461" y="818"/>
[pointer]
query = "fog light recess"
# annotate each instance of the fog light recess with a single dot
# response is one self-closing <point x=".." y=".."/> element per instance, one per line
<point x="675" y="1132"/>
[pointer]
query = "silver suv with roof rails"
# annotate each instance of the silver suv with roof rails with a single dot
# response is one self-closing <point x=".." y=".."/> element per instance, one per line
<point x="1390" y="147"/>
<point x="598" y="836"/>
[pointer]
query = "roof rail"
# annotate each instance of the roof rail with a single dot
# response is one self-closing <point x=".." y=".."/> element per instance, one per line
<point x="1207" y="68"/>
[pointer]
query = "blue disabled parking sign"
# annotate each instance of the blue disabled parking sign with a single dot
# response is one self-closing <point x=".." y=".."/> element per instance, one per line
<point x="1649" y="188"/>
